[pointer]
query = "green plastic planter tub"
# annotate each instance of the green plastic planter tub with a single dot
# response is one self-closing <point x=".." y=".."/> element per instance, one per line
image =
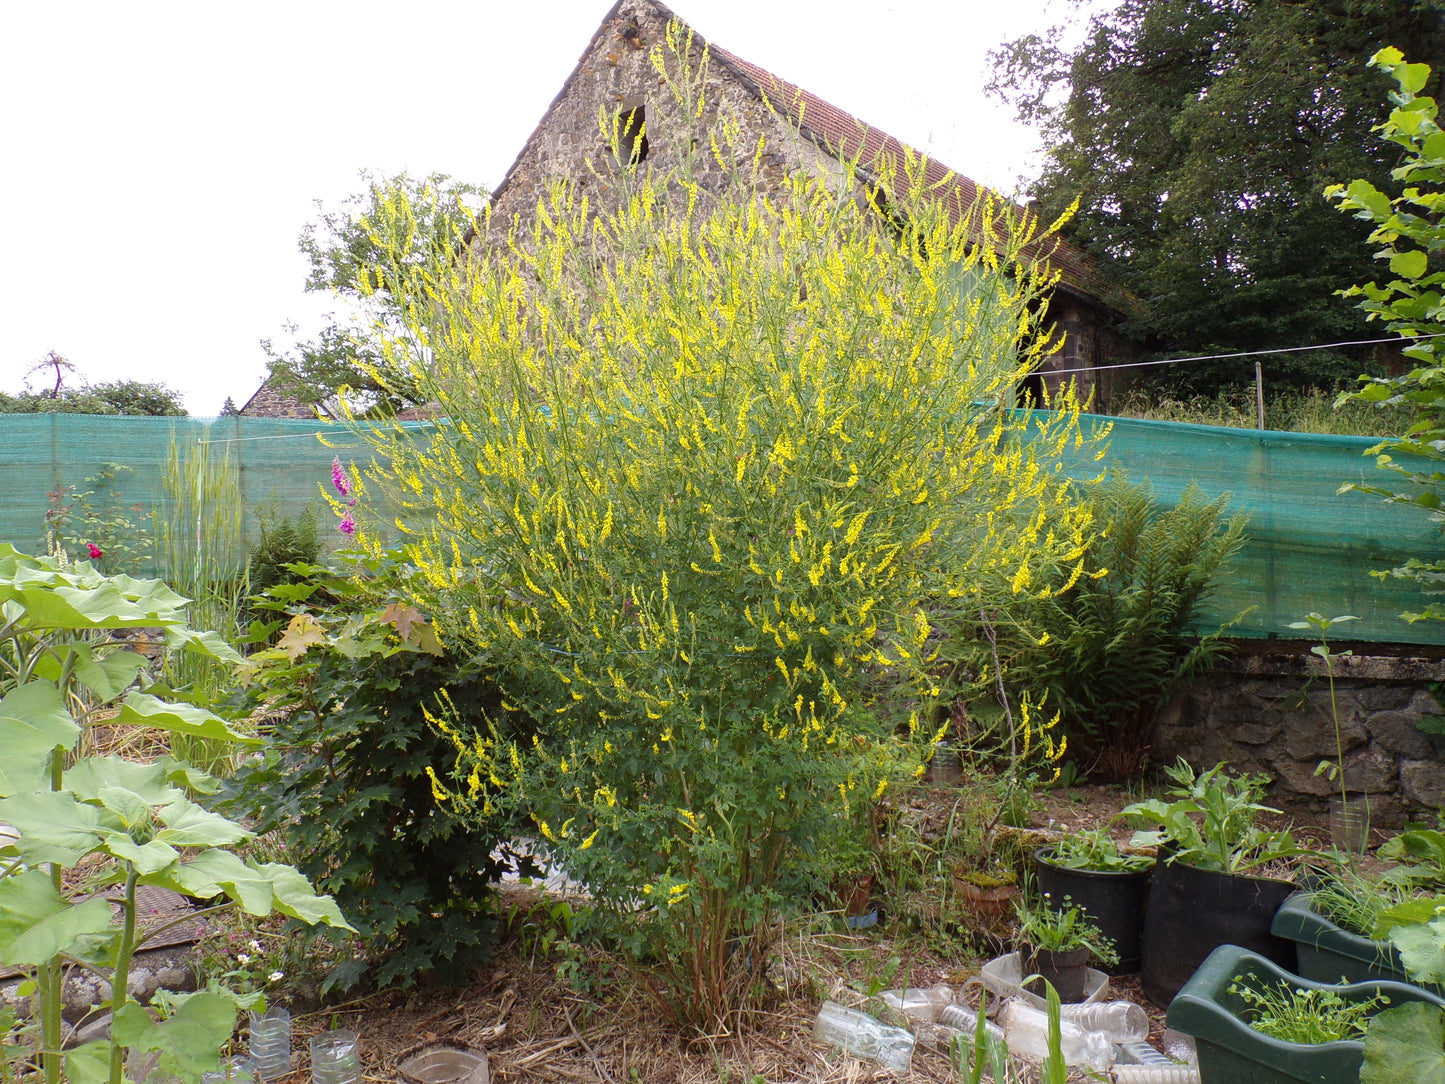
<point x="1328" y="953"/>
<point x="1231" y="1052"/>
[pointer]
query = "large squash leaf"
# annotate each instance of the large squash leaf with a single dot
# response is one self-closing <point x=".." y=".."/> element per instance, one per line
<point x="33" y="722"/>
<point x="1405" y="1045"/>
<point x="36" y="921"/>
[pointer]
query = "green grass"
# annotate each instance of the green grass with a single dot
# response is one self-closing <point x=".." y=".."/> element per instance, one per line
<point x="1289" y="411"/>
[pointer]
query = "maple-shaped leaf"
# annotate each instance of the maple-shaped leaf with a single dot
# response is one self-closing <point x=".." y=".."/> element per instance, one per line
<point x="302" y="633"/>
<point x="404" y="618"/>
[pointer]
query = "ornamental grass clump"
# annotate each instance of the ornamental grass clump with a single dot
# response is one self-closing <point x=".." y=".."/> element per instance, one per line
<point x="712" y="466"/>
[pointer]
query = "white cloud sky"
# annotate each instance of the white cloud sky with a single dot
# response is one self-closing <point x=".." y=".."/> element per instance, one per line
<point x="164" y="156"/>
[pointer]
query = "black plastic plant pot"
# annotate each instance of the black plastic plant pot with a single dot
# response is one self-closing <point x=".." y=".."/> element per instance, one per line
<point x="1232" y="1052"/>
<point x="1191" y="912"/>
<point x="1329" y="953"/>
<point x="1113" y="899"/>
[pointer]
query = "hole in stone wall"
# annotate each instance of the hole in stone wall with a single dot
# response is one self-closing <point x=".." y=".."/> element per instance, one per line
<point x="632" y="145"/>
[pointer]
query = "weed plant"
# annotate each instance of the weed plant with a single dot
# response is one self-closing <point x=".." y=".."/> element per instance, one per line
<point x="1061" y="926"/>
<point x="1307" y="411"/>
<point x="199" y="533"/>
<point x="1305" y="1015"/>
<point x="1355" y="902"/>
<point x="710" y="451"/>
<point x="1095" y="849"/>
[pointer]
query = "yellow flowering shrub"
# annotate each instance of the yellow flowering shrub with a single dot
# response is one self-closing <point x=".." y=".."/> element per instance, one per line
<point x="710" y="469"/>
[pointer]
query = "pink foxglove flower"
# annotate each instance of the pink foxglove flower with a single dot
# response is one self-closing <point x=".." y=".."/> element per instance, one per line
<point x="347" y="526"/>
<point x="96" y="553"/>
<point x="338" y="478"/>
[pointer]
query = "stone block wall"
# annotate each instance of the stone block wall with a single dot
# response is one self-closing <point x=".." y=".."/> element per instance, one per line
<point x="1270" y="712"/>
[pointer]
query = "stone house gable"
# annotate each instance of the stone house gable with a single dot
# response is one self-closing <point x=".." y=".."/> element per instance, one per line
<point x="615" y="78"/>
<point x="270" y="402"/>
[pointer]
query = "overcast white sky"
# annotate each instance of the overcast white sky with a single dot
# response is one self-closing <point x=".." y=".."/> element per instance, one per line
<point x="162" y="157"/>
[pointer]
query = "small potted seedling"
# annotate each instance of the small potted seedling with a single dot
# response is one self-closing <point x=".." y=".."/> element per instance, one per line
<point x="1057" y="942"/>
<point x="1108" y="883"/>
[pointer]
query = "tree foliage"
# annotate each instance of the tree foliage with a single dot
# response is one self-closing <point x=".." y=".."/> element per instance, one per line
<point x="1200" y="135"/>
<point x="112" y="397"/>
<point x="340" y="245"/>
<point x="1411" y="238"/>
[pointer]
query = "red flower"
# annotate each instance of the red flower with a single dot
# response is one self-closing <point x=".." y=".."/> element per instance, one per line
<point x="96" y="553"/>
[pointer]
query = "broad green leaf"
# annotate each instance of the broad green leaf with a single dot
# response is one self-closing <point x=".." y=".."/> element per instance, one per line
<point x="111" y="674"/>
<point x="1412" y="77"/>
<point x="1422" y="950"/>
<point x="126" y="804"/>
<point x="1408" y="913"/>
<point x="1405" y="1045"/>
<point x="142" y="709"/>
<point x="1410" y="265"/>
<point x="53" y="826"/>
<point x="257" y="889"/>
<point x="153" y="782"/>
<point x="189" y="825"/>
<point x="189" y="1042"/>
<point x="33" y="722"/>
<point x="36" y="922"/>
<point x="204" y="642"/>
<point x="1370" y="198"/>
<point x="89" y="1064"/>
<point x="98" y="607"/>
<point x="147" y="858"/>
<point x="295" y="897"/>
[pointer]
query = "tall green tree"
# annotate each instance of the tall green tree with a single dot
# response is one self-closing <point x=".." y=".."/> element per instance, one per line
<point x="341" y="243"/>
<point x="1199" y="136"/>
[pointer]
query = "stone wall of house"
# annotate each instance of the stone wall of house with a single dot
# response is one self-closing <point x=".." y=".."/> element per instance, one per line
<point x="1270" y="713"/>
<point x="616" y="75"/>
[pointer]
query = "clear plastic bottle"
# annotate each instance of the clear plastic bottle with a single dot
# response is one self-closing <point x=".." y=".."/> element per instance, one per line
<point x="924" y="1005"/>
<point x="864" y="1036"/>
<point x="962" y="1018"/>
<point x="271" y="1043"/>
<point x="1027" y="1031"/>
<point x="1122" y="1021"/>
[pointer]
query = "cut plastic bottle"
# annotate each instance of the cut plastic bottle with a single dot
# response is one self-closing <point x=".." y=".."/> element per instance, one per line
<point x="864" y="1036"/>
<point x="1156" y="1074"/>
<point x="923" y="1005"/>
<point x="1122" y="1021"/>
<point x="1027" y="1031"/>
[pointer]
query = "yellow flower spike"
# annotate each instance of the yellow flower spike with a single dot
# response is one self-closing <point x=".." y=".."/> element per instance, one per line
<point x="437" y="790"/>
<point x="586" y="843"/>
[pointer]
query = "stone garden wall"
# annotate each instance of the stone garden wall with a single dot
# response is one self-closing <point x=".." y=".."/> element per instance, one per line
<point x="1268" y="711"/>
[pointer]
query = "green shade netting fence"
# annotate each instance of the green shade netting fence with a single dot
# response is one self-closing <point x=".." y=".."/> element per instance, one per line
<point x="1308" y="548"/>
